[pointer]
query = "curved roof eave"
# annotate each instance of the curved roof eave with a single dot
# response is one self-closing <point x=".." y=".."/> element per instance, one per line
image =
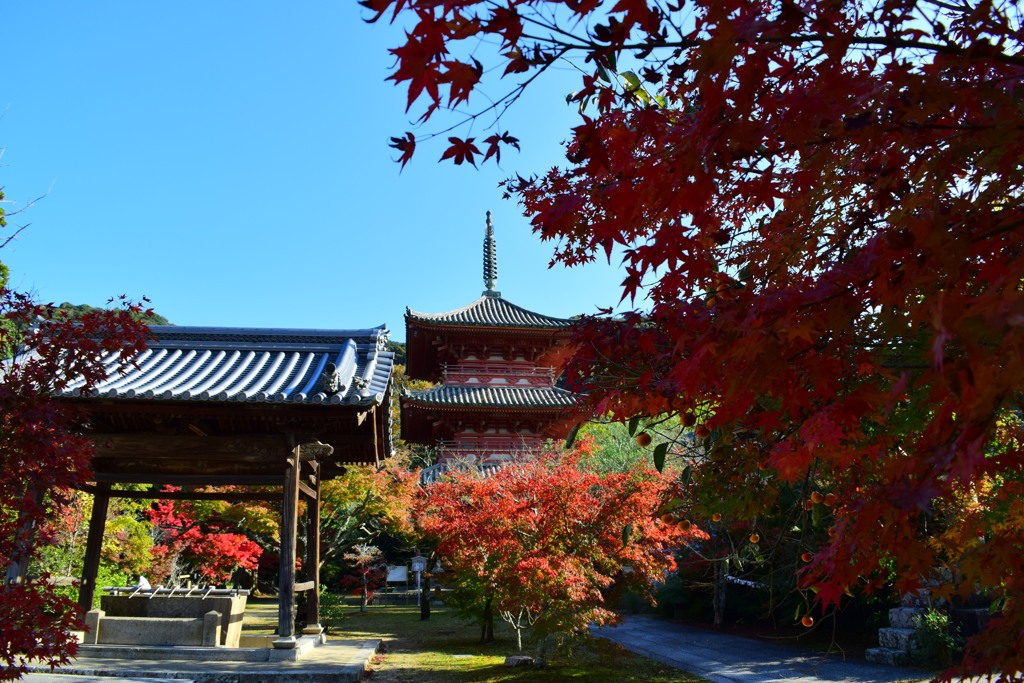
<point x="490" y="310"/>
<point x="252" y="365"/>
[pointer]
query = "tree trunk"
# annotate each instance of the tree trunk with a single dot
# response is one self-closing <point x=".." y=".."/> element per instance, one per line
<point x="487" y="623"/>
<point x="425" y="598"/>
<point x="542" y="651"/>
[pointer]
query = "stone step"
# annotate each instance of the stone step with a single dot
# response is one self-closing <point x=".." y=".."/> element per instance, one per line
<point x="887" y="656"/>
<point x="337" y="661"/>
<point x="905" y="617"/>
<point x="71" y="678"/>
<point x="897" y="638"/>
<point x="174" y="652"/>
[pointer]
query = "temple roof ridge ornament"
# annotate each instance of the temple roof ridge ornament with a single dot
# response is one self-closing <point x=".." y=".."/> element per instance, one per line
<point x="490" y="260"/>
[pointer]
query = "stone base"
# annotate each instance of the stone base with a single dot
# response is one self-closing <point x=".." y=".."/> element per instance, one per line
<point x="165" y="653"/>
<point x="303" y="646"/>
<point x="106" y="630"/>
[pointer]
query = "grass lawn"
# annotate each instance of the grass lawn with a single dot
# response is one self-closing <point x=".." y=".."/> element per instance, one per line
<point x="260" y="616"/>
<point x="446" y="648"/>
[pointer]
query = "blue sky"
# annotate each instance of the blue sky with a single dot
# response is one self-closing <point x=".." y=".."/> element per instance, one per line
<point x="229" y="161"/>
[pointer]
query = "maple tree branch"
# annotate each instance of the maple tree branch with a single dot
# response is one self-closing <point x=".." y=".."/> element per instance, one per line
<point x="10" y="238"/>
<point x="592" y="45"/>
<point x="7" y="215"/>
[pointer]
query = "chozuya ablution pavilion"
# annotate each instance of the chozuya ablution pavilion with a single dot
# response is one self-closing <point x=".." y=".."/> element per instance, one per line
<point x="270" y="413"/>
<point x="496" y="364"/>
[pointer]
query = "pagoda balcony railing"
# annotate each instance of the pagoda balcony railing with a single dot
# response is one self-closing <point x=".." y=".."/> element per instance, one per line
<point x="487" y="372"/>
<point x="483" y="449"/>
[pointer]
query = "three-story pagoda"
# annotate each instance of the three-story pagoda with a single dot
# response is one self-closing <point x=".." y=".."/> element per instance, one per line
<point x="497" y="365"/>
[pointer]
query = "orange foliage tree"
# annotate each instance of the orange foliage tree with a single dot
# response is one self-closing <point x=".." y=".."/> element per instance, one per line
<point x="820" y="202"/>
<point x="542" y="542"/>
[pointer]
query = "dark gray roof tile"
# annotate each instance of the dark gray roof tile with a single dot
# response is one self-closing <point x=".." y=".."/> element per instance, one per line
<point x="252" y="365"/>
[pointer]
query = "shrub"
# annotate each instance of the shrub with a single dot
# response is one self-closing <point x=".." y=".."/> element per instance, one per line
<point x="332" y="610"/>
<point x="936" y="642"/>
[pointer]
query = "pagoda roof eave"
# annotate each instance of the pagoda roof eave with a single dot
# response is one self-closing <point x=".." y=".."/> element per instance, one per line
<point x="489" y="311"/>
<point x="492" y="397"/>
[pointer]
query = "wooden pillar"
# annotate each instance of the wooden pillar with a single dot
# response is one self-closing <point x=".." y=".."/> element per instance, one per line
<point x="313" y="626"/>
<point x="289" y="531"/>
<point x="93" y="546"/>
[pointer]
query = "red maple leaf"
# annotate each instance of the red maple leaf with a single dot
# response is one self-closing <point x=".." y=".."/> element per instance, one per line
<point x="461" y="150"/>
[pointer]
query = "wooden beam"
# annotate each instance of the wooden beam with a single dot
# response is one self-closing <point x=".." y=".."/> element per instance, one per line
<point x="307" y="491"/>
<point x="198" y="495"/>
<point x="172" y="479"/>
<point x="244" y="448"/>
<point x="315" y="451"/>
<point x="295" y="414"/>
<point x="93" y="546"/>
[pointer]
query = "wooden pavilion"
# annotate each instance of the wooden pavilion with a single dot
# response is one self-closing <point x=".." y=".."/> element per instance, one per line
<point x="269" y="413"/>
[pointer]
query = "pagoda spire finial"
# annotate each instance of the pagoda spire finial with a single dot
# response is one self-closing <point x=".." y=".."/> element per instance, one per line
<point x="490" y="260"/>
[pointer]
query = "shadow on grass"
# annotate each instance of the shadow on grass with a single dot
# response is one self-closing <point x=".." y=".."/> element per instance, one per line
<point x="448" y="649"/>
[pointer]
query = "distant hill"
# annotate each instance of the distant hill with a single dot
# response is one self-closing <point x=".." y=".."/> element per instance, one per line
<point x="11" y="333"/>
<point x="75" y="310"/>
<point x="399" y="350"/>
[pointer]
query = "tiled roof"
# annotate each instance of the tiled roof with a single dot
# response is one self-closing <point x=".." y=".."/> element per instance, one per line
<point x="493" y="397"/>
<point x="254" y="366"/>
<point x="490" y="310"/>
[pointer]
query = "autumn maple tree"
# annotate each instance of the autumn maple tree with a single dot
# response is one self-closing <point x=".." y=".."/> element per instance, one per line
<point x="43" y="456"/>
<point x="818" y="209"/>
<point x="541" y="542"/>
<point x="368" y="571"/>
<point x="192" y="538"/>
